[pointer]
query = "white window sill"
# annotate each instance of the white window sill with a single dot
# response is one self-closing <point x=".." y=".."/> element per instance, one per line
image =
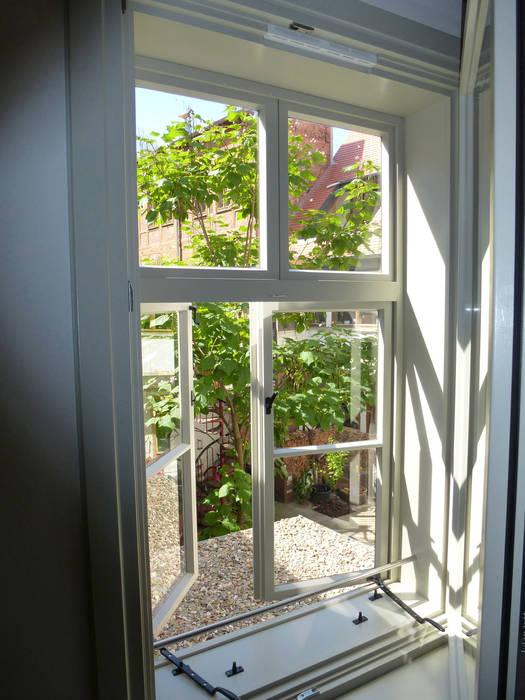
<point x="317" y="646"/>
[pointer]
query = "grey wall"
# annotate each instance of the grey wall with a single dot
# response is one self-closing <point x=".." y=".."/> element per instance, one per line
<point x="45" y="609"/>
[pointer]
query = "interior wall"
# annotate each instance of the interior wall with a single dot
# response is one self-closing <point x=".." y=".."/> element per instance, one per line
<point x="423" y="483"/>
<point x="45" y="603"/>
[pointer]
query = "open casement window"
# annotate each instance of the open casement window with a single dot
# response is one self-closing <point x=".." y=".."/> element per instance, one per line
<point x="167" y="373"/>
<point x="340" y="403"/>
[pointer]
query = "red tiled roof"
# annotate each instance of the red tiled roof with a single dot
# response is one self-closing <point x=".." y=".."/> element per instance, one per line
<point x="357" y="147"/>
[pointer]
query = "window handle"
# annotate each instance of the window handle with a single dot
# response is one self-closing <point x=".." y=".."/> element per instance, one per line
<point x="268" y="403"/>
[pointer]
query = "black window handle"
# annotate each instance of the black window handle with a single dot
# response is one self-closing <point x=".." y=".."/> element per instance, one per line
<point x="268" y="403"/>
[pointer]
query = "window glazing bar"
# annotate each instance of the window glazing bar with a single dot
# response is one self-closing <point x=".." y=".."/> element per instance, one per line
<point x="352" y="580"/>
<point x="323" y="449"/>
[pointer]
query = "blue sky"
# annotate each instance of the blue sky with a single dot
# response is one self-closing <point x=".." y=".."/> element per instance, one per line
<point x="156" y="109"/>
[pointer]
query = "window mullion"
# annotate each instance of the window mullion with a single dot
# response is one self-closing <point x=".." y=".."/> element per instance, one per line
<point x="262" y="449"/>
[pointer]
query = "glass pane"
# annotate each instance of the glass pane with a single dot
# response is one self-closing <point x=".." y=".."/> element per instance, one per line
<point x="165" y="530"/>
<point x="324" y="515"/>
<point x="198" y="184"/>
<point x="325" y="373"/>
<point x="160" y="381"/>
<point x="334" y="190"/>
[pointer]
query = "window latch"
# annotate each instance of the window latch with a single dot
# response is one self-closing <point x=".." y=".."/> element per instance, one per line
<point x="386" y="590"/>
<point x="268" y="403"/>
<point x="181" y="667"/>
<point x="193" y="310"/>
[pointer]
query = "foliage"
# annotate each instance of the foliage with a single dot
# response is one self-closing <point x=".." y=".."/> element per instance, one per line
<point x="302" y="485"/>
<point x="221" y="352"/>
<point x="316" y="377"/>
<point x="201" y="162"/>
<point x="333" y="468"/>
<point x="161" y="399"/>
<point x="230" y="503"/>
<point x="335" y="239"/>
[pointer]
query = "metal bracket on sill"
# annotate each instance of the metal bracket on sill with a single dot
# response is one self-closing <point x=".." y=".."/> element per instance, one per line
<point x="181" y="667"/>
<point x="386" y="590"/>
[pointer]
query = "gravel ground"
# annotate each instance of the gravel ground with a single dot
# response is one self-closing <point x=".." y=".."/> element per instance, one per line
<point x="166" y="556"/>
<point x="303" y="549"/>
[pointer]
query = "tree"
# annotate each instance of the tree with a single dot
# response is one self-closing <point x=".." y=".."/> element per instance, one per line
<point x="198" y="163"/>
<point x="316" y="379"/>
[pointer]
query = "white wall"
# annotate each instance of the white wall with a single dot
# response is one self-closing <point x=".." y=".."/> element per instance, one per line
<point x="423" y="483"/>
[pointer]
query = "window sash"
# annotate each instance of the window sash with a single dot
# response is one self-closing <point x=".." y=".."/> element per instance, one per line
<point x="264" y="451"/>
<point x="185" y="453"/>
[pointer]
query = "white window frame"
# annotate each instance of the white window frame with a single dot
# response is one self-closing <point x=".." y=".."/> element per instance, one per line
<point x="274" y="279"/>
<point x="278" y="286"/>
<point x="184" y="453"/>
<point x="264" y="452"/>
<point x="315" y="114"/>
<point x="268" y="188"/>
<point x="102" y="160"/>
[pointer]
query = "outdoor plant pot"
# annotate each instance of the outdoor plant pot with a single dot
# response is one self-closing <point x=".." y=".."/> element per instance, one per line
<point x="284" y="489"/>
<point x="320" y="493"/>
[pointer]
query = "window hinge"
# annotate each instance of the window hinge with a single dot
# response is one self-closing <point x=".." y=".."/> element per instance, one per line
<point x="130" y="296"/>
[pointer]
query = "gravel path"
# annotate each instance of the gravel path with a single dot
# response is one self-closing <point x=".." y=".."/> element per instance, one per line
<point x="166" y="556"/>
<point x="303" y="549"/>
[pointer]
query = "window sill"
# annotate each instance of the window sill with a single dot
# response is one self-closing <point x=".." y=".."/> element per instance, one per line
<point x="317" y="646"/>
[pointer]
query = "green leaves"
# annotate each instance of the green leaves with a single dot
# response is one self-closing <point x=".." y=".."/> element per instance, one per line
<point x="307" y="356"/>
<point x="320" y="376"/>
<point x="337" y="237"/>
<point x="231" y="503"/>
<point x="198" y="162"/>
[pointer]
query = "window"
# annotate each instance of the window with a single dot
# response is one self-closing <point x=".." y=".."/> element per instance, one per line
<point x="333" y="433"/>
<point x="334" y="198"/>
<point x="170" y="455"/>
<point x="416" y="283"/>
<point x="203" y="172"/>
<point x="328" y="428"/>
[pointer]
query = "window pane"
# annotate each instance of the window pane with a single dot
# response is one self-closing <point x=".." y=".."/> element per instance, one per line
<point x="325" y="373"/>
<point x="160" y="378"/>
<point x="165" y="530"/>
<point x="334" y="189"/>
<point x="198" y="182"/>
<point x="324" y="515"/>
